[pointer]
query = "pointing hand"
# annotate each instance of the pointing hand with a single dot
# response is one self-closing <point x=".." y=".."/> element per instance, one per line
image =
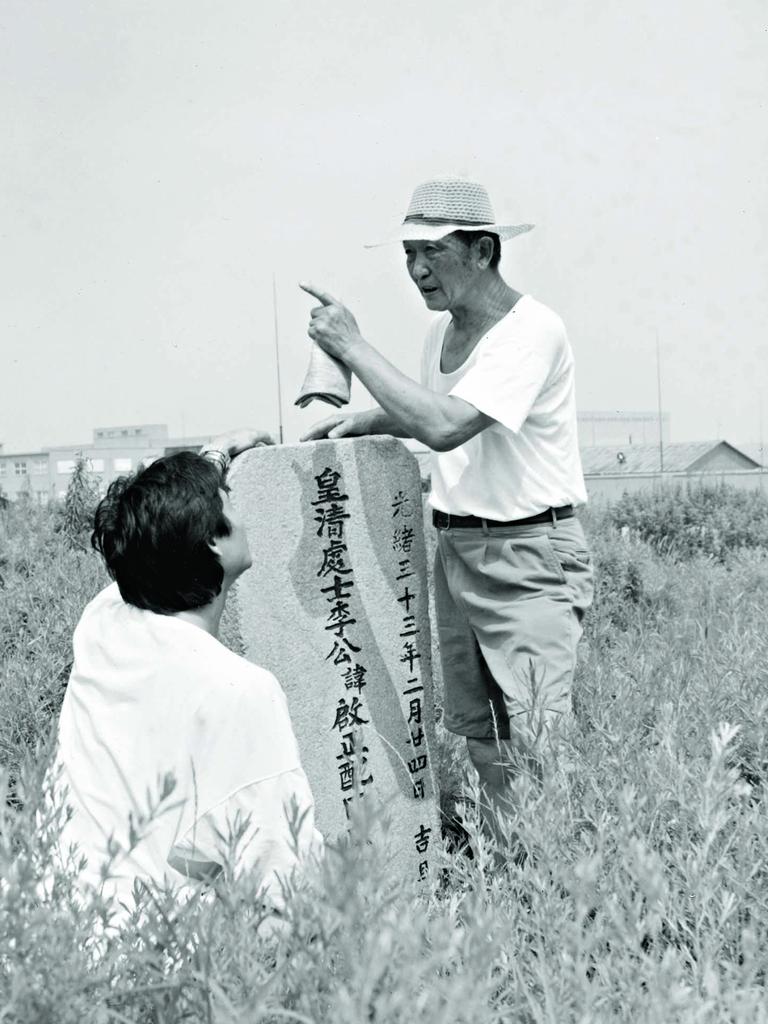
<point x="331" y="324"/>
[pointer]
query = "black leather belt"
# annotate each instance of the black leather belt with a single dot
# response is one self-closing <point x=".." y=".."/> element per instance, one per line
<point x="443" y="521"/>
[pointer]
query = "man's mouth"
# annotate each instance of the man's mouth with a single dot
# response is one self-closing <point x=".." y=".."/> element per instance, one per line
<point x="428" y="290"/>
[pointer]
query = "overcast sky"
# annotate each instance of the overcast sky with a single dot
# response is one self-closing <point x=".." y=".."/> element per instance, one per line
<point x="163" y="158"/>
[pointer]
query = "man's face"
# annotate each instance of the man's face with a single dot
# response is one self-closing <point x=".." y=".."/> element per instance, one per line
<point x="443" y="271"/>
<point x="233" y="551"/>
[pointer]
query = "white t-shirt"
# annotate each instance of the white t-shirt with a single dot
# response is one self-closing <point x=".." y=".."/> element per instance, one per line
<point x="521" y="373"/>
<point x="150" y="695"/>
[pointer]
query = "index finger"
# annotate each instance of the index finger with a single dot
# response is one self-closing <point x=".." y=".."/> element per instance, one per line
<point x="319" y="430"/>
<point x="324" y="297"/>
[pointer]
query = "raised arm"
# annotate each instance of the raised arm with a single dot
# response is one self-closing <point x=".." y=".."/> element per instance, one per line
<point x="442" y="422"/>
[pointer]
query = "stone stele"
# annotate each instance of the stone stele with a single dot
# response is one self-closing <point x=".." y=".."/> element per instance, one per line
<point x="336" y="606"/>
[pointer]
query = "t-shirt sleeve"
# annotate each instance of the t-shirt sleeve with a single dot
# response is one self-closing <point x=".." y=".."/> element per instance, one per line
<point x="511" y="371"/>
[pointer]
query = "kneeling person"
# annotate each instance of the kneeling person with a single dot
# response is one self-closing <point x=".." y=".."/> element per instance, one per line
<point x="154" y="696"/>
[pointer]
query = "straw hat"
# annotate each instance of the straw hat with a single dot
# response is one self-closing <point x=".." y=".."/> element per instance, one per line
<point x="442" y="205"/>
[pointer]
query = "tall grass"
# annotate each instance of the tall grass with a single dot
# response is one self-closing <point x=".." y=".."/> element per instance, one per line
<point x="644" y="896"/>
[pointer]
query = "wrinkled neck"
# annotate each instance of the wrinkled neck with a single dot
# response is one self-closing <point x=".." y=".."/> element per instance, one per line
<point x="486" y="304"/>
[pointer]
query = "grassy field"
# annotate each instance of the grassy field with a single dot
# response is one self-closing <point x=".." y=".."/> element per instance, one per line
<point x="644" y="896"/>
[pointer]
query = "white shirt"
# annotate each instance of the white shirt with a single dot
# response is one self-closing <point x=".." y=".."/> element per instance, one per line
<point x="150" y="695"/>
<point x="521" y="374"/>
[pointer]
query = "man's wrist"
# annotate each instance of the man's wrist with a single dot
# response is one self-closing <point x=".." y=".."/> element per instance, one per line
<point x="218" y="456"/>
<point x="351" y="349"/>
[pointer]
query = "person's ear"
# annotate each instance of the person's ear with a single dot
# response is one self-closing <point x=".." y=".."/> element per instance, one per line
<point x="214" y="545"/>
<point x="484" y="253"/>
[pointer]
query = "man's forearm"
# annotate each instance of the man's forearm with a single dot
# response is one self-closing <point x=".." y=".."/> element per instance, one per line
<point x="378" y="421"/>
<point x="408" y="409"/>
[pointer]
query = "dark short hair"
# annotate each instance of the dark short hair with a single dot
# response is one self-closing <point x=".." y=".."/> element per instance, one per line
<point x="153" y="530"/>
<point x="468" y="237"/>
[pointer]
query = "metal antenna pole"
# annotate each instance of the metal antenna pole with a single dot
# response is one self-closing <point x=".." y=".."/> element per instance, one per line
<point x="760" y="424"/>
<point x="658" y="388"/>
<point x="277" y="361"/>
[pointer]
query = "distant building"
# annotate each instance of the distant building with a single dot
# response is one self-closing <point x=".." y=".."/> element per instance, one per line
<point x="25" y="472"/>
<point x="757" y="450"/>
<point x="691" y="457"/>
<point x="44" y="475"/>
<point x="622" y="428"/>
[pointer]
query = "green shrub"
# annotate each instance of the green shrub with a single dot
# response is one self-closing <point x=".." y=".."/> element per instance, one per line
<point x="80" y="502"/>
<point x="642" y="898"/>
<point x="710" y="520"/>
<point x="44" y="586"/>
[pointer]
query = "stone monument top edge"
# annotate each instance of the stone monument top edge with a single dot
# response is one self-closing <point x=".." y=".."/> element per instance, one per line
<point x="374" y="440"/>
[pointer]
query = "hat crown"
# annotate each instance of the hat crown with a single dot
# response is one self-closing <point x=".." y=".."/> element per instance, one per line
<point x="451" y="199"/>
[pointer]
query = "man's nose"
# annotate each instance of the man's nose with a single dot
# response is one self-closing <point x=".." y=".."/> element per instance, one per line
<point x="419" y="268"/>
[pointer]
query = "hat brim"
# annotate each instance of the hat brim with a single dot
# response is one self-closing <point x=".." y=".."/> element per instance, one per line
<point x="421" y="231"/>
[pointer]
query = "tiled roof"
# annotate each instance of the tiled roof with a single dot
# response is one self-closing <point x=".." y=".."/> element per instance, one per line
<point x="679" y="457"/>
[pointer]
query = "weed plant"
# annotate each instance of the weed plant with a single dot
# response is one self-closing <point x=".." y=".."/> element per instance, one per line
<point x="700" y="520"/>
<point x="643" y="896"/>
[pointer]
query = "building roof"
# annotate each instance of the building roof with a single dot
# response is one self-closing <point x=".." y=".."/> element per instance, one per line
<point x="679" y="457"/>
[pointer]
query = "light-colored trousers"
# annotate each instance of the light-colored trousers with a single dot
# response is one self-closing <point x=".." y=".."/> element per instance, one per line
<point x="510" y="603"/>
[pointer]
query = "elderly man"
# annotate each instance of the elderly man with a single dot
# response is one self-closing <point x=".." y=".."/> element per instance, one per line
<point x="167" y="740"/>
<point x="496" y="404"/>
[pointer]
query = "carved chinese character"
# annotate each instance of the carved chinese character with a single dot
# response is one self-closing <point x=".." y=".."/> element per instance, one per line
<point x="346" y="776"/>
<point x="417" y="764"/>
<point x="331" y="520"/>
<point x="328" y="487"/>
<point x="349" y="715"/>
<point x="414" y="710"/>
<point x="405" y="569"/>
<point x="348" y="745"/>
<point x="339" y="618"/>
<point x="401" y="505"/>
<point x="413" y="689"/>
<point x="422" y="838"/>
<point x="333" y="560"/>
<point x="409" y="626"/>
<point x="417" y="738"/>
<point x="402" y="539"/>
<point x="340" y="653"/>
<point x="338" y="590"/>
<point x="354" y="677"/>
<point x="409" y="655"/>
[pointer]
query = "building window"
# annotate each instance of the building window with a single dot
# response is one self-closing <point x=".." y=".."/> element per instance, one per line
<point x="20" y="468"/>
<point x="122" y="465"/>
<point x="96" y="465"/>
<point x="65" y="466"/>
<point x="40" y="466"/>
<point x="2" y="469"/>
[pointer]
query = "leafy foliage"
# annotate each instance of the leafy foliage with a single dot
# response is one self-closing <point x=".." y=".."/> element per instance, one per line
<point x="701" y="520"/>
<point x="642" y="897"/>
<point x="79" y="505"/>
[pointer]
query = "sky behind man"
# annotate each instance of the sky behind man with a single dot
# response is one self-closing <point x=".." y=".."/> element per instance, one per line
<point x="163" y="160"/>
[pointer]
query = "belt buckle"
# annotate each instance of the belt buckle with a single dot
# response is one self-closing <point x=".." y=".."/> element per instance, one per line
<point x="442" y="520"/>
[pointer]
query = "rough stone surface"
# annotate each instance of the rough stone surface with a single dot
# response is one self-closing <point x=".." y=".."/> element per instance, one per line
<point x="336" y="605"/>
